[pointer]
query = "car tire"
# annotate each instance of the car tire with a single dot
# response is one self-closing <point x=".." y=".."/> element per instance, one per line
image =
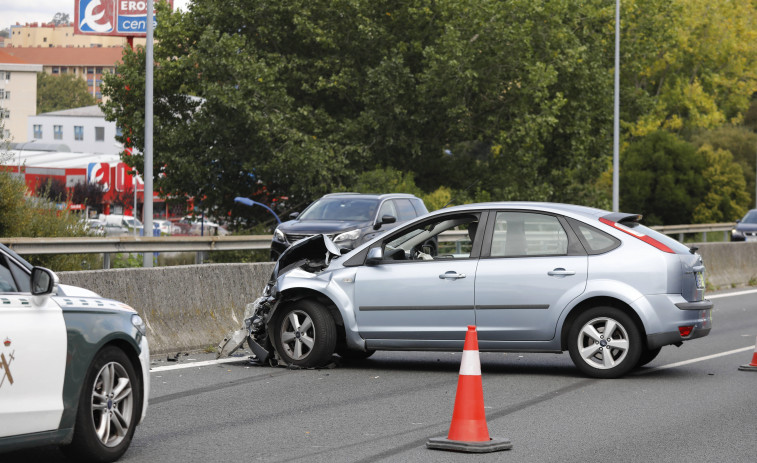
<point x="647" y="355"/>
<point x="109" y="408"/>
<point x="304" y="334"/>
<point x="587" y="343"/>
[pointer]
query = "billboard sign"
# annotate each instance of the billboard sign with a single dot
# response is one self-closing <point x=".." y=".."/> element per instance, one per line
<point x="111" y="17"/>
<point x="99" y="172"/>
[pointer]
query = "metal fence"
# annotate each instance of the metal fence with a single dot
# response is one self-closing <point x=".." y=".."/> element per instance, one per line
<point x="203" y="244"/>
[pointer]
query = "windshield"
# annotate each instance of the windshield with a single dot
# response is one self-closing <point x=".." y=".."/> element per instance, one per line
<point x="750" y="217"/>
<point x="343" y="209"/>
<point x="132" y="222"/>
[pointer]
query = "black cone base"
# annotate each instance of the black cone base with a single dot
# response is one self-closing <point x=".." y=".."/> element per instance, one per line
<point x="492" y="445"/>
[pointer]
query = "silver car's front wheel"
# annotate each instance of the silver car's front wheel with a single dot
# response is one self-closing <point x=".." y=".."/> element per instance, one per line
<point x="604" y="342"/>
<point x="304" y="334"/>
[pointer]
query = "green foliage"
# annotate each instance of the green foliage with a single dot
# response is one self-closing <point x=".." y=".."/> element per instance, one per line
<point x="726" y="198"/>
<point x="26" y="216"/>
<point x="741" y="142"/>
<point x="64" y="91"/>
<point x="661" y="178"/>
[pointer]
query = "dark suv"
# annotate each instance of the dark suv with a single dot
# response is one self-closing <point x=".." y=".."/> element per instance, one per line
<point x="746" y="227"/>
<point x="349" y="219"/>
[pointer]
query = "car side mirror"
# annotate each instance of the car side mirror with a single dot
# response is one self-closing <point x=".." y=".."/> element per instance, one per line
<point x="738" y="220"/>
<point x="294" y="215"/>
<point x="375" y="256"/>
<point x="384" y="220"/>
<point x="43" y="281"/>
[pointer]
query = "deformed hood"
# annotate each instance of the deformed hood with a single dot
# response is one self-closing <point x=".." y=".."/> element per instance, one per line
<point x="313" y="253"/>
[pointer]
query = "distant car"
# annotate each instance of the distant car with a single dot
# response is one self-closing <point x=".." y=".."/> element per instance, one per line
<point x="533" y="277"/>
<point x="95" y="227"/>
<point x="349" y="219"/>
<point x="114" y="221"/>
<point x="74" y="366"/>
<point x="195" y="225"/>
<point x="166" y="227"/>
<point x="746" y="227"/>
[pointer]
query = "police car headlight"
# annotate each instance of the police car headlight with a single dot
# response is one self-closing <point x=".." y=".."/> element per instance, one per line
<point x="139" y="324"/>
<point x="278" y="235"/>
<point x="347" y="236"/>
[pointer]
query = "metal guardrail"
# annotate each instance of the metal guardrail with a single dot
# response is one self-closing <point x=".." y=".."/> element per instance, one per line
<point x="702" y="228"/>
<point x="202" y="244"/>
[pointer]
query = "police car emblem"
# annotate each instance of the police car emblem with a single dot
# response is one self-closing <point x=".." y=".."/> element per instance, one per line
<point x="5" y="364"/>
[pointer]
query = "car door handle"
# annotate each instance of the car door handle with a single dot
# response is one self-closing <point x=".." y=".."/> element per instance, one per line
<point x="451" y="275"/>
<point x="560" y="272"/>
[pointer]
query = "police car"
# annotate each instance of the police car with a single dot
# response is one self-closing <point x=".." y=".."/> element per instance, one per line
<point x="74" y="367"/>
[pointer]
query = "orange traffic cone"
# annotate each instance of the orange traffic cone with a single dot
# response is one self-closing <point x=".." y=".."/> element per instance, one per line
<point x="468" y="431"/>
<point x="752" y="366"/>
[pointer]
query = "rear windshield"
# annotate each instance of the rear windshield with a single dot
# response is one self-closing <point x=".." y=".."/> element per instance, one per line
<point x="347" y="209"/>
<point x="673" y="244"/>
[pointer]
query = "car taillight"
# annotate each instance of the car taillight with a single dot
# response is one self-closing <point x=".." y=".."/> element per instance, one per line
<point x="645" y="238"/>
<point x="685" y="330"/>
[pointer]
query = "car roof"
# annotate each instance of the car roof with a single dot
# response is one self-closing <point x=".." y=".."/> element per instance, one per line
<point x="380" y="196"/>
<point x="560" y="208"/>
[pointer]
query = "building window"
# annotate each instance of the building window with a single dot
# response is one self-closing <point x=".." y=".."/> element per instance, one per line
<point x="58" y="132"/>
<point x="89" y="82"/>
<point x="7" y="75"/>
<point x="119" y="131"/>
<point x="37" y="131"/>
<point x="98" y="95"/>
<point x="99" y="70"/>
<point x="2" y="94"/>
<point x="56" y="69"/>
<point x="99" y="133"/>
<point x="78" y="132"/>
<point x="64" y="70"/>
<point x="90" y="70"/>
<point x="7" y="95"/>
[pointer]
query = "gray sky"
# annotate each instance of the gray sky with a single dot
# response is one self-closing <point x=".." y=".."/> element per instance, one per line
<point x="42" y="11"/>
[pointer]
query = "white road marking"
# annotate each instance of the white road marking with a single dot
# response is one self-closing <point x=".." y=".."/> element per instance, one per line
<point x="699" y="359"/>
<point x="738" y="293"/>
<point x="181" y="366"/>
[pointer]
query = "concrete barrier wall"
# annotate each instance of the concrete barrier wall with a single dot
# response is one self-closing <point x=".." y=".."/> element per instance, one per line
<point x="185" y="307"/>
<point x="192" y="307"/>
<point x="729" y="264"/>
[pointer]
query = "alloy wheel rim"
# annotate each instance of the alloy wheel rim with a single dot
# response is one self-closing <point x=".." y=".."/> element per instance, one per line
<point x="603" y="343"/>
<point x="112" y="404"/>
<point x="298" y="335"/>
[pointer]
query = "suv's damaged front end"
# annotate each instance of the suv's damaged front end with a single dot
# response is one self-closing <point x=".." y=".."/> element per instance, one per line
<point x="311" y="255"/>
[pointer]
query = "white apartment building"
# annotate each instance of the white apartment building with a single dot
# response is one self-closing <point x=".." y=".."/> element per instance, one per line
<point x="84" y="130"/>
<point x="18" y="96"/>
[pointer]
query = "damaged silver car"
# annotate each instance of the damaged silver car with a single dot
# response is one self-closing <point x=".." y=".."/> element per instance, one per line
<point x="533" y="277"/>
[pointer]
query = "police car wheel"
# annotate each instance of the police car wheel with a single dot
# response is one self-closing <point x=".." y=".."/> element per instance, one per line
<point x="108" y="410"/>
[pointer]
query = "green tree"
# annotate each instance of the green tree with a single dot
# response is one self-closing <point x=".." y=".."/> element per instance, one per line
<point x="741" y="142"/>
<point x="65" y="91"/>
<point x="301" y="96"/>
<point x="661" y="177"/>
<point x="22" y="215"/>
<point x="692" y="66"/>
<point x="726" y="198"/>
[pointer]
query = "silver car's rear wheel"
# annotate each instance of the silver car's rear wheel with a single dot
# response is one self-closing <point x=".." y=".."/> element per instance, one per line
<point x="304" y="334"/>
<point x="604" y="342"/>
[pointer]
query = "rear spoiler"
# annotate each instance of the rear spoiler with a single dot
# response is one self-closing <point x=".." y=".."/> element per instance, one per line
<point x="622" y="217"/>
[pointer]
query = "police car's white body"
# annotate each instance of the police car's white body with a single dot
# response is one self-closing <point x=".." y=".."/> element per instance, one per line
<point x="74" y="367"/>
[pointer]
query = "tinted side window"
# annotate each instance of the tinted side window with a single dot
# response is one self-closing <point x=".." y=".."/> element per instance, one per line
<point x="7" y="284"/>
<point x="23" y="279"/>
<point x="595" y="241"/>
<point x="420" y="208"/>
<point x="404" y="209"/>
<point x="528" y="234"/>
<point x="388" y="209"/>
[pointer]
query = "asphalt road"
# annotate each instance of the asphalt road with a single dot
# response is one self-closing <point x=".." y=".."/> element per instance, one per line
<point x="689" y="404"/>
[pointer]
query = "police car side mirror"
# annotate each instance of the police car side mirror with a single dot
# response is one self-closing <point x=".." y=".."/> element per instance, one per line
<point x="43" y="281"/>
